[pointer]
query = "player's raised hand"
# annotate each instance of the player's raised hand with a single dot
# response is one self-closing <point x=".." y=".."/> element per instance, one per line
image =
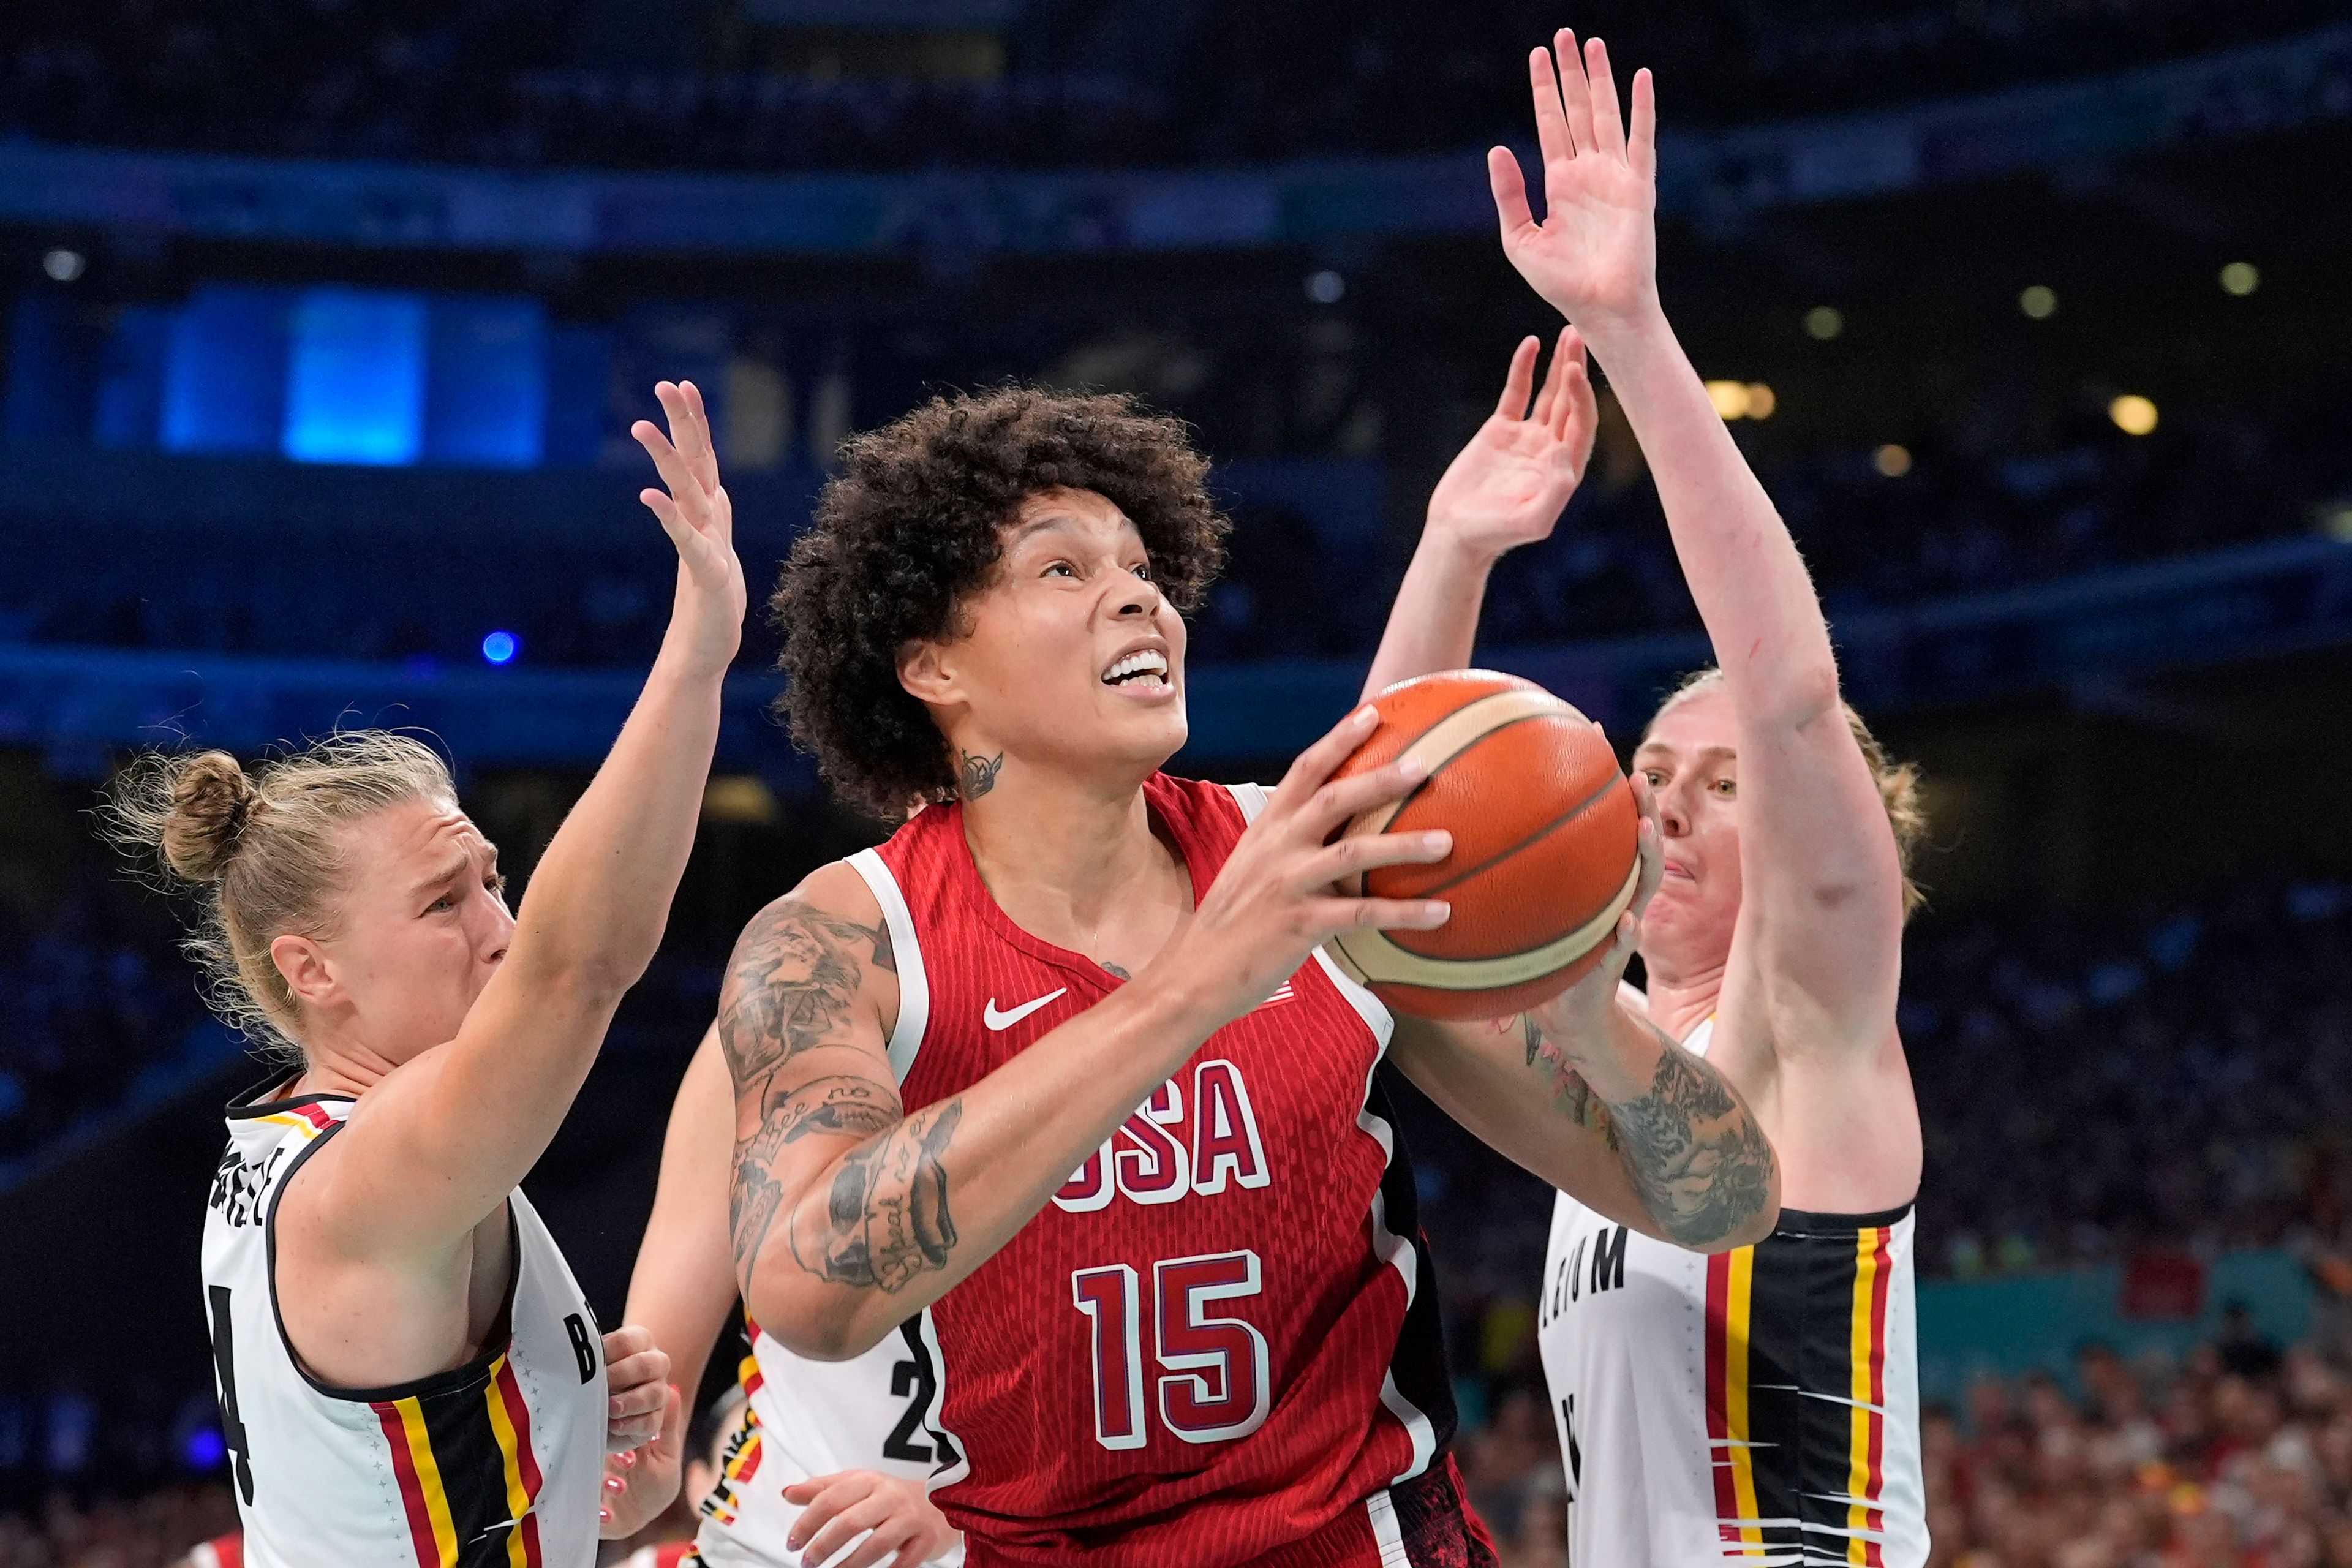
<point x="906" y="1529"/>
<point x="706" y="617"/>
<point x="1595" y="254"/>
<point x="1276" y="900"/>
<point x="1510" y="485"/>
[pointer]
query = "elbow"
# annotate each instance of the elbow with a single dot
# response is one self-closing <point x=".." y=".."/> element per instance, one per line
<point x="1739" y="1205"/>
<point x="1748" y="1232"/>
<point x="818" y="1321"/>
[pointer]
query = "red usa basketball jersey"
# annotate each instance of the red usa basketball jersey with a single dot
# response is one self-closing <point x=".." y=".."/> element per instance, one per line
<point x="1218" y="1344"/>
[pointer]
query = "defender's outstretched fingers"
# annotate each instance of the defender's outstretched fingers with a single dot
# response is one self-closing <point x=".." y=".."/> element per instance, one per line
<point x="1552" y="139"/>
<point x="701" y="451"/>
<point x="1579" y="415"/>
<point x="1510" y="189"/>
<point x="1608" y="121"/>
<point x="691" y="442"/>
<point x="677" y="473"/>
<point x="1519" y="379"/>
<point x="1642" y="148"/>
<point x="1548" y="401"/>
<point x="1575" y="92"/>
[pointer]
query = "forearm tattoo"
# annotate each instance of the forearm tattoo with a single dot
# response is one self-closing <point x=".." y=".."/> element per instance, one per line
<point x="885" y="1219"/>
<point x="1702" y="1166"/>
<point x="1571" y="1096"/>
<point x="789" y="989"/>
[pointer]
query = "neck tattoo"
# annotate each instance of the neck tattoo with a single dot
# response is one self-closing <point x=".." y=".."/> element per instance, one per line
<point x="976" y="775"/>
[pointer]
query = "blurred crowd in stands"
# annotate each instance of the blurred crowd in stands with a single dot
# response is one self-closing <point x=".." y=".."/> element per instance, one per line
<point x="1070" y="82"/>
<point x="89" y="1003"/>
<point x="1953" y="521"/>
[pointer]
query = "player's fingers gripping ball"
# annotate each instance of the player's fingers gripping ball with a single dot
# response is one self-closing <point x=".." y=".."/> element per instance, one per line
<point x="1544" y="860"/>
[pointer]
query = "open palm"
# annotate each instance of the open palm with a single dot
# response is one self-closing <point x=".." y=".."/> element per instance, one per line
<point x="1595" y="254"/>
<point x="1510" y="485"/>
<point x="699" y="518"/>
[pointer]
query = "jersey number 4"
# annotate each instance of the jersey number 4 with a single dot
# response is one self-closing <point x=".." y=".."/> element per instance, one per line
<point x="225" y="1365"/>
<point x="1215" y="1383"/>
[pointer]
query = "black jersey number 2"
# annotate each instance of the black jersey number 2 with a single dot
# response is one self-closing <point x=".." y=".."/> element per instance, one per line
<point x="224" y="1364"/>
<point x="915" y="1378"/>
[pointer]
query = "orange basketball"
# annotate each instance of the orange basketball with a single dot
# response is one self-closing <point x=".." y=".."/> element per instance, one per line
<point x="1544" y="860"/>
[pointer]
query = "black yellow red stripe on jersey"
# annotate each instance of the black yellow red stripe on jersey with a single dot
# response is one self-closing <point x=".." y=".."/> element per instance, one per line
<point x="1796" y="1389"/>
<point x="469" y="1479"/>
<point x="740" y="1460"/>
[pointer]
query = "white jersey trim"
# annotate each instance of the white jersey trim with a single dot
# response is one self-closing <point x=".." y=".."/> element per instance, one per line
<point x="1387" y="1534"/>
<point x="907" y="955"/>
<point x="948" y="1474"/>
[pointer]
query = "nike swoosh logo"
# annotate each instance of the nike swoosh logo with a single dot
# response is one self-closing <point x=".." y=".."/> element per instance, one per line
<point x="1005" y="1020"/>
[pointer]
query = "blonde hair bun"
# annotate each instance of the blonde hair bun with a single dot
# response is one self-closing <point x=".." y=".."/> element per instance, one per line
<point x="211" y="800"/>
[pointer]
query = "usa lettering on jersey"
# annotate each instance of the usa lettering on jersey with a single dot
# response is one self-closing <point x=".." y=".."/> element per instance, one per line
<point x="1162" y="1154"/>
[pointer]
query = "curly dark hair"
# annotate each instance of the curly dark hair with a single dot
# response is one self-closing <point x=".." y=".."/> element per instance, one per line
<point x="910" y="528"/>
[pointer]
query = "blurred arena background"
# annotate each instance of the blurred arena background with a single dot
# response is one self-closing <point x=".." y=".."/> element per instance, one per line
<point x="324" y="321"/>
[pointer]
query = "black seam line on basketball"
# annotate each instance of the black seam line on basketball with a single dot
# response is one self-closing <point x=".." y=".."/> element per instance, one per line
<point x="1450" y="758"/>
<point x="1546" y="831"/>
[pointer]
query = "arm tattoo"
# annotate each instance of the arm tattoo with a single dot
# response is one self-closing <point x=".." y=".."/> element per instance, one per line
<point x="884" y="1220"/>
<point x="1115" y="969"/>
<point x="1571" y="1096"/>
<point x="1702" y="1166"/>
<point x="976" y="776"/>
<point x="793" y="980"/>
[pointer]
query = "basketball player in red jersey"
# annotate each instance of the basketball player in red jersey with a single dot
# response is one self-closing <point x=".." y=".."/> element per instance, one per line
<point x="1506" y="487"/>
<point x="1761" y="1405"/>
<point x="1066" y="1044"/>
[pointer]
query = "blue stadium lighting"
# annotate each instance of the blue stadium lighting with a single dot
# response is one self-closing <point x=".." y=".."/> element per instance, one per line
<point x="355" y="378"/>
<point x="205" y="1449"/>
<point x="498" y="647"/>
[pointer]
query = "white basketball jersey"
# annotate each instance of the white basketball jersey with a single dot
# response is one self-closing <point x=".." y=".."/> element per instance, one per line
<point x="496" y="1462"/>
<point x="804" y="1418"/>
<point x="1758" y="1406"/>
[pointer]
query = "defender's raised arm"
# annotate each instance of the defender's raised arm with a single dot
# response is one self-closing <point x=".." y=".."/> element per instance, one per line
<point x="1825" y="884"/>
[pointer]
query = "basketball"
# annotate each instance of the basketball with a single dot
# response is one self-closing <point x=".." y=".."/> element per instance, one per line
<point x="1544" y="859"/>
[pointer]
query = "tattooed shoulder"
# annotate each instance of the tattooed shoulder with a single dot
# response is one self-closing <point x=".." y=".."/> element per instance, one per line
<point x="793" y="980"/>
